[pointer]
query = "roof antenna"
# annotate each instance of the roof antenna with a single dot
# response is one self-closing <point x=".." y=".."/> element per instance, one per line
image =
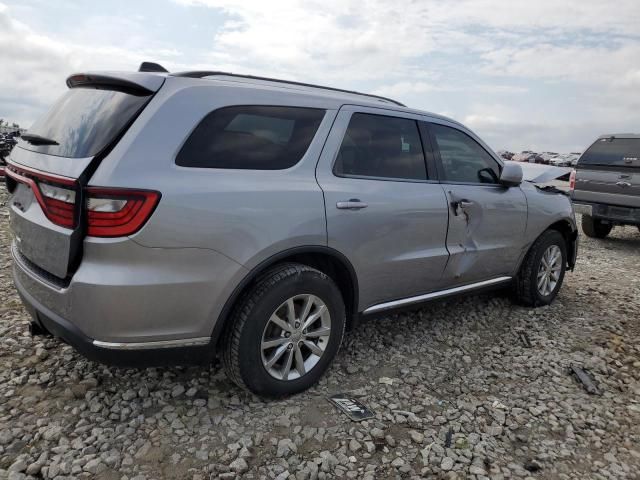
<point x="152" y="67"/>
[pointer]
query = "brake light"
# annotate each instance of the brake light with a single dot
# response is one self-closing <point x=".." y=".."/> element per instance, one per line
<point x="55" y="194"/>
<point x="572" y="180"/>
<point x="110" y="212"/>
<point x="59" y="204"/>
<point x="118" y="212"/>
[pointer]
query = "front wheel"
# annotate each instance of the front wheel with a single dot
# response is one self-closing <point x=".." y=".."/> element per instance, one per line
<point x="542" y="271"/>
<point x="285" y="331"/>
<point x="595" y="228"/>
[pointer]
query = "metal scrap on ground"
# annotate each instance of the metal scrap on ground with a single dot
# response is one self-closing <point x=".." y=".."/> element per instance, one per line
<point x="355" y="410"/>
<point x="585" y="379"/>
<point x="524" y="338"/>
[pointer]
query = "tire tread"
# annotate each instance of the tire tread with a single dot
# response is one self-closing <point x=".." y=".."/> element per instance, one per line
<point x="242" y="313"/>
<point x="524" y="285"/>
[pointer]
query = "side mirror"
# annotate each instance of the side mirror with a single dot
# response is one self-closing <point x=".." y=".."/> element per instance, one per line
<point x="511" y="175"/>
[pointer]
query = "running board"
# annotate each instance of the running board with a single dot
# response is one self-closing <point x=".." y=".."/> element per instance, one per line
<point x="433" y="295"/>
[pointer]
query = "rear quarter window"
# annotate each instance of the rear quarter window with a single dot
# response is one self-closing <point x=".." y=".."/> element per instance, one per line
<point x="251" y="138"/>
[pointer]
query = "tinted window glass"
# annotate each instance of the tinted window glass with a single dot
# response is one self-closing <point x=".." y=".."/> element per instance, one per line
<point x="251" y="137"/>
<point x="84" y="121"/>
<point x="613" y="151"/>
<point x="379" y="146"/>
<point x="463" y="159"/>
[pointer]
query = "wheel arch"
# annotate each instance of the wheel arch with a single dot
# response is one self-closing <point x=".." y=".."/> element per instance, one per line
<point x="568" y="231"/>
<point x="570" y="235"/>
<point x="326" y="259"/>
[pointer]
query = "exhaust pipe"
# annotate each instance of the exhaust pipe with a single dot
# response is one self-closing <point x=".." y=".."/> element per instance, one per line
<point x="37" y="331"/>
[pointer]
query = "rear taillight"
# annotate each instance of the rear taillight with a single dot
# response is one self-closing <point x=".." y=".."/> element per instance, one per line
<point x="572" y="180"/>
<point x="118" y="212"/>
<point x="59" y="204"/>
<point x="110" y="212"/>
<point x="55" y="194"/>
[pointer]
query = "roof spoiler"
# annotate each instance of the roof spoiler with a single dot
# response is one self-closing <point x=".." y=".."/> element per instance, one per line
<point x="137" y="83"/>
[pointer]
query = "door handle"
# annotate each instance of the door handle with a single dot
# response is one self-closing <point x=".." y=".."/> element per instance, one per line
<point x="623" y="184"/>
<point x="351" y="204"/>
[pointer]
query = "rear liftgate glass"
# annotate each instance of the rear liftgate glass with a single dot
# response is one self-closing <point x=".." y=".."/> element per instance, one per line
<point x="86" y="123"/>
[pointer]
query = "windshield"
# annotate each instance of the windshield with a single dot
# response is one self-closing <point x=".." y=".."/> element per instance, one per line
<point x="613" y="151"/>
<point x="83" y="122"/>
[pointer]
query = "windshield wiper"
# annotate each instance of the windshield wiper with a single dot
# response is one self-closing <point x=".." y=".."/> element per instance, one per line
<point x="34" y="139"/>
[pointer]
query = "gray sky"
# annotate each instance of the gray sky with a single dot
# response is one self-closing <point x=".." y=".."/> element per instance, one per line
<point x="546" y="75"/>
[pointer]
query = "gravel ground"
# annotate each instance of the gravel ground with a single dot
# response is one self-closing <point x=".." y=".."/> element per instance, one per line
<point x="456" y="393"/>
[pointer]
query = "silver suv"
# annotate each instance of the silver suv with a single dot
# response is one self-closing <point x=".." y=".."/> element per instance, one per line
<point x="164" y="218"/>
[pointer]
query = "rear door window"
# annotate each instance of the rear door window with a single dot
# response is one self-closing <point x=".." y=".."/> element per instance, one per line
<point x="84" y="121"/>
<point x="251" y="137"/>
<point x="377" y="146"/>
<point x="614" y="152"/>
<point x="463" y="159"/>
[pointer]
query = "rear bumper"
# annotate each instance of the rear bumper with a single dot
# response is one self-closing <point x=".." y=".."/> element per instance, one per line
<point x="146" y="354"/>
<point x="131" y="305"/>
<point x="612" y="213"/>
<point x="141" y="355"/>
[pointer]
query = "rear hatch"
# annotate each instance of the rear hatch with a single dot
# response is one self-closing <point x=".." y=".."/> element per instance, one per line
<point x="608" y="172"/>
<point x="49" y="168"/>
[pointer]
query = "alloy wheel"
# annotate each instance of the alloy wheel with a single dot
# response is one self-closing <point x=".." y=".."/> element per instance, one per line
<point x="549" y="270"/>
<point x="295" y="337"/>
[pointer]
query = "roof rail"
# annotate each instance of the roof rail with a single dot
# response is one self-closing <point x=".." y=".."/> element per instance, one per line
<point x="205" y="73"/>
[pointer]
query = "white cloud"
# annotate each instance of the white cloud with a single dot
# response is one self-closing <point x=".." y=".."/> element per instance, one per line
<point x="35" y="66"/>
<point x="516" y="71"/>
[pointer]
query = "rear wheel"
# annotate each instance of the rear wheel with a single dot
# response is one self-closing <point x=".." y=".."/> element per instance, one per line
<point x="542" y="270"/>
<point x="285" y="332"/>
<point x="595" y="228"/>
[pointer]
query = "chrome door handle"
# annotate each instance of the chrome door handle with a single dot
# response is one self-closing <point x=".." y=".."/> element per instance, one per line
<point x="351" y="204"/>
<point x="623" y="184"/>
<point x="465" y="203"/>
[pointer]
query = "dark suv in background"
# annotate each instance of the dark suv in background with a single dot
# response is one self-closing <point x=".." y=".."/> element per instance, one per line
<point x="605" y="187"/>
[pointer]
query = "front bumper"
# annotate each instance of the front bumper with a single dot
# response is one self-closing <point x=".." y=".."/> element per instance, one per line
<point x="610" y="213"/>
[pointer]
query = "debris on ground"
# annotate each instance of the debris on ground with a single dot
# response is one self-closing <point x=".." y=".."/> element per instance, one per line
<point x="584" y="378"/>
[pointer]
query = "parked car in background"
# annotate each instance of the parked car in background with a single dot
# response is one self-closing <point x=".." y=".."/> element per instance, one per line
<point x="523" y="156"/>
<point x="507" y="155"/>
<point x="546" y="157"/>
<point x="605" y="185"/>
<point x="7" y="142"/>
<point x="529" y="157"/>
<point x="562" y="160"/>
<point x="257" y="219"/>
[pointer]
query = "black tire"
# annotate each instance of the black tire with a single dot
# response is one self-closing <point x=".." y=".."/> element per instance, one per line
<point x="525" y="285"/>
<point x="241" y="349"/>
<point x="594" y="228"/>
